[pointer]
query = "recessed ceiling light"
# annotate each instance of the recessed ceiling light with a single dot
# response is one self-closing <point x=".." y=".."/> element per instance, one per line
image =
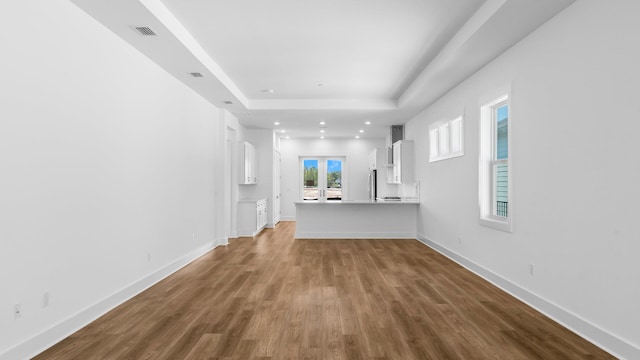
<point x="283" y="131"/>
<point x="276" y="123"/>
<point x="367" y="122"/>
<point x="287" y="137"/>
<point x="321" y="137"/>
<point x="361" y="130"/>
<point x="322" y="123"/>
<point x="357" y="137"/>
<point x="322" y="130"/>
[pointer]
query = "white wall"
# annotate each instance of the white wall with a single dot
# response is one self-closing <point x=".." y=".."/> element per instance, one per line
<point x="576" y="176"/>
<point x="356" y="152"/>
<point x="104" y="158"/>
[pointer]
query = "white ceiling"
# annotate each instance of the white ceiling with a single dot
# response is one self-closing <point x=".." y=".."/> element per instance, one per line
<point x="344" y="62"/>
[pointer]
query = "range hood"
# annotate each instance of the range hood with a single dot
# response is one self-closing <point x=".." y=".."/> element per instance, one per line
<point x="397" y="133"/>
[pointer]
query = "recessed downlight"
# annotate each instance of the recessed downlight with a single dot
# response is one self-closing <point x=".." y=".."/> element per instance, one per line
<point x="322" y="130"/>
<point x="357" y="136"/>
<point x="323" y="123"/>
<point x="276" y="123"/>
<point x="321" y="137"/>
<point x="367" y="122"/>
<point x="361" y="131"/>
<point x="283" y="131"/>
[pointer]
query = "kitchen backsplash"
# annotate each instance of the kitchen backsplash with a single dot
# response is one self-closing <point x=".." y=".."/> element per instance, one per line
<point x="405" y="191"/>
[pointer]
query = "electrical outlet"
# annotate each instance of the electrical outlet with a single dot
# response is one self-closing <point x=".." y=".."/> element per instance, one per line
<point x="532" y="269"/>
<point x="45" y="299"/>
<point x="17" y="311"/>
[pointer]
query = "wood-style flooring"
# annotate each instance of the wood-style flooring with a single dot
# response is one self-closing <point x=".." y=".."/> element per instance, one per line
<point x="273" y="297"/>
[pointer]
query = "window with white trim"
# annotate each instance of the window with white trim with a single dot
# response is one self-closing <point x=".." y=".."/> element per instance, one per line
<point x="446" y="139"/>
<point x="496" y="204"/>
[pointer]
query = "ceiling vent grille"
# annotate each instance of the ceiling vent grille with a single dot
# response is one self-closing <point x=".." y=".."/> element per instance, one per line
<point x="196" y="74"/>
<point x="144" y="30"/>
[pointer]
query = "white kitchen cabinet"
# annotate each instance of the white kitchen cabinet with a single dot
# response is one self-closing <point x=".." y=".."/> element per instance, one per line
<point x="373" y="163"/>
<point x="402" y="169"/>
<point x="261" y="214"/>
<point x="248" y="164"/>
<point x="252" y="216"/>
<point x="377" y="159"/>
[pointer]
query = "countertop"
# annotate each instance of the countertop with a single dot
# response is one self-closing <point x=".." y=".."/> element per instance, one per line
<point x="361" y="202"/>
<point x="251" y="200"/>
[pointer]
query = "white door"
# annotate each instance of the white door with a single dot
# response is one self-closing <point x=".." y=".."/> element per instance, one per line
<point x="322" y="178"/>
<point x="276" y="187"/>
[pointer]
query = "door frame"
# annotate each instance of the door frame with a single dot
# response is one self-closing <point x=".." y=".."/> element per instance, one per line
<point x="277" y="185"/>
<point x="322" y="175"/>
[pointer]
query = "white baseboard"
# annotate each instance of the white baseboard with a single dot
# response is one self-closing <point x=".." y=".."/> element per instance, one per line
<point x="598" y="336"/>
<point x="355" y="235"/>
<point x="58" y="332"/>
<point x="288" y="218"/>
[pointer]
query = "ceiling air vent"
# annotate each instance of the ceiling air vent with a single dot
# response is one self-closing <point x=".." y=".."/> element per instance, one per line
<point x="227" y="102"/>
<point x="196" y="74"/>
<point x="144" y="30"/>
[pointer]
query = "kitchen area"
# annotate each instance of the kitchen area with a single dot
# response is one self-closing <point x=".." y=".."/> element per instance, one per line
<point x="389" y="209"/>
<point x="332" y="188"/>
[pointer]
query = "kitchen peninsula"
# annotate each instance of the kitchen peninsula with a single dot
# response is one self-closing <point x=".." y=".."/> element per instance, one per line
<point x="353" y="219"/>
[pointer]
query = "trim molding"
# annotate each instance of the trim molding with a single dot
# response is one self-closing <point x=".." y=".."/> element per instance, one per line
<point x="355" y="235"/>
<point x="54" y="334"/>
<point x="587" y="330"/>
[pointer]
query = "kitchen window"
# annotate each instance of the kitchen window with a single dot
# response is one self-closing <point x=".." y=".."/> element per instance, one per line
<point x="496" y="205"/>
<point x="322" y="178"/>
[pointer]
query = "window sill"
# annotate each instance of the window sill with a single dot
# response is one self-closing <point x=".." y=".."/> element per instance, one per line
<point x="502" y="225"/>
<point x="446" y="157"/>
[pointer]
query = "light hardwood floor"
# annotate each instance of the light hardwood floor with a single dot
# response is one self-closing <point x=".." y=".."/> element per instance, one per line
<point x="274" y="297"/>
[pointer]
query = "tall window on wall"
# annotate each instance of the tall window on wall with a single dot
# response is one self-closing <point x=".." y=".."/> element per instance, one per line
<point x="496" y="204"/>
<point x="446" y="139"/>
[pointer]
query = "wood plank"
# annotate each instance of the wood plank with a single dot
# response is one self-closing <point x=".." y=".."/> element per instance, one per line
<point x="273" y="297"/>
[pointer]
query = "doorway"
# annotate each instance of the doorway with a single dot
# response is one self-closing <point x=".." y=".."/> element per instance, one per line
<point x="277" y="194"/>
<point x="323" y="178"/>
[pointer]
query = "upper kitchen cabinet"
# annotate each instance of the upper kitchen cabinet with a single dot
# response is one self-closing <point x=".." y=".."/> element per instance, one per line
<point x="248" y="164"/>
<point x="380" y="159"/>
<point x="372" y="160"/>
<point x="402" y="169"/>
<point x="376" y="159"/>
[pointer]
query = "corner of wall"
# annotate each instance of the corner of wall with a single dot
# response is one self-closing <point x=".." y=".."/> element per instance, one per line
<point x="580" y="326"/>
<point x="49" y="337"/>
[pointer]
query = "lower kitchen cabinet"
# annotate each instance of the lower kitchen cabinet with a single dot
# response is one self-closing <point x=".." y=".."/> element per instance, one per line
<point x="252" y="216"/>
